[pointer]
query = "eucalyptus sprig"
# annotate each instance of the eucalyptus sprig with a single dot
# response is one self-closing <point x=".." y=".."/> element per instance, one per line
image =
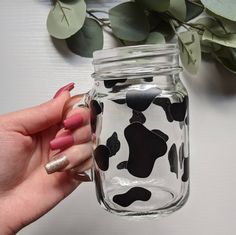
<point x="151" y="21"/>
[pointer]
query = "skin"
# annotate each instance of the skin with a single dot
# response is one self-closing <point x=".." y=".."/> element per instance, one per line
<point x="26" y="190"/>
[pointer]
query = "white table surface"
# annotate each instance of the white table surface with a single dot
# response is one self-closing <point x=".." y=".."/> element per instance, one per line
<point x="32" y="69"/>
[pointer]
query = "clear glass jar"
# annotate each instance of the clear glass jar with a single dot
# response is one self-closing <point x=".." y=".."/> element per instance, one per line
<point x="140" y="118"/>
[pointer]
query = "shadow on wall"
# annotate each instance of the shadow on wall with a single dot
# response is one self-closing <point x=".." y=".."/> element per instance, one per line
<point x="212" y="80"/>
<point x="67" y="55"/>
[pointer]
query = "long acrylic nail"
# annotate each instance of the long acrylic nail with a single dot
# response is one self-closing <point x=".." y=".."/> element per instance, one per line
<point x="67" y="87"/>
<point x="73" y="121"/>
<point x="62" y="142"/>
<point x="57" y="164"/>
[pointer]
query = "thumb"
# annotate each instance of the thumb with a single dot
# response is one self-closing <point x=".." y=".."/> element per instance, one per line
<point x="32" y="120"/>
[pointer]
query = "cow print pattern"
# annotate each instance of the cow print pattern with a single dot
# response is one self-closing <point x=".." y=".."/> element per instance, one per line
<point x="103" y="152"/>
<point x="145" y="146"/>
<point x="148" y="79"/>
<point x="112" y="83"/>
<point x="173" y="159"/>
<point x="137" y="117"/>
<point x="181" y="155"/>
<point x="101" y="155"/>
<point x="134" y="194"/>
<point x="113" y="144"/>
<point x="141" y="100"/>
<point x="96" y="110"/>
<point x="185" y="175"/>
<point x="143" y="153"/>
<point x="175" y="111"/>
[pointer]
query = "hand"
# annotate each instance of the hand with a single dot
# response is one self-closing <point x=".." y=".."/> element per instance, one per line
<point x="26" y="142"/>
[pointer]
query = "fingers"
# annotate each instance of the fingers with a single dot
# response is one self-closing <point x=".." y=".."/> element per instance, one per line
<point x="77" y="156"/>
<point x="76" y="129"/>
<point x="68" y="138"/>
<point x="74" y="141"/>
<point x="76" y="118"/>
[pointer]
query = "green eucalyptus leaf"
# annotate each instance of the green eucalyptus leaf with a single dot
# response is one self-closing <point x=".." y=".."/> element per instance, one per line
<point x="88" y="39"/>
<point x="210" y="24"/>
<point x="129" y="22"/>
<point x="228" y="25"/>
<point x="178" y="9"/>
<point x="207" y="23"/>
<point x="227" y="57"/>
<point x="190" y="50"/>
<point x="65" y="19"/>
<point x="155" y="38"/>
<point x="209" y="48"/>
<point x="155" y="5"/>
<point x="193" y="10"/>
<point x="228" y="40"/>
<point x="224" y="8"/>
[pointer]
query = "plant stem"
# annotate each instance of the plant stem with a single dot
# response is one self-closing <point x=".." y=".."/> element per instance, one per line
<point x="184" y="23"/>
<point x="172" y="26"/>
<point x="105" y="25"/>
<point x="99" y="11"/>
<point x="99" y="20"/>
<point x="197" y="4"/>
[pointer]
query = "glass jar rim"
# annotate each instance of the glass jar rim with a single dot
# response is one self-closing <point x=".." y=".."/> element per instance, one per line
<point x="130" y="52"/>
<point x="136" y="61"/>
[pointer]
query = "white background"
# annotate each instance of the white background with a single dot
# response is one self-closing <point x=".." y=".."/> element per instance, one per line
<point x="33" y="67"/>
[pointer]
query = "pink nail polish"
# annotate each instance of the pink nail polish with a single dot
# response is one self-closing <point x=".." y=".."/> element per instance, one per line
<point x="67" y="87"/>
<point x="62" y="142"/>
<point x="73" y="121"/>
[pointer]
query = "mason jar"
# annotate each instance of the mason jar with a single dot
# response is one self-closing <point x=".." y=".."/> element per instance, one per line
<point x="139" y="110"/>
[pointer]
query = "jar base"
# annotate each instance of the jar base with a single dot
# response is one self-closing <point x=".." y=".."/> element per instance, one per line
<point x="166" y="202"/>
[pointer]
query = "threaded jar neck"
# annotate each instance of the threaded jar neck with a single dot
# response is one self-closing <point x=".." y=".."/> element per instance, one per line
<point x="136" y="61"/>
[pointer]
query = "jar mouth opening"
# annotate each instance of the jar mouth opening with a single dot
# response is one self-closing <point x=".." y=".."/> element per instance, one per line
<point x="130" y="52"/>
<point x="136" y="61"/>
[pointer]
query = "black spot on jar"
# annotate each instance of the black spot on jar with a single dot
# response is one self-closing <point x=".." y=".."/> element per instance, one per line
<point x="165" y="104"/>
<point x="122" y="165"/>
<point x="178" y="110"/>
<point x="113" y="144"/>
<point x="173" y="159"/>
<point x="101" y="155"/>
<point x="141" y="100"/>
<point x="119" y="101"/>
<point x="144" y="148"/>
<point x="148" y="79"/>
<point x="187" y="119"/>
<point x="96" y="107"/>
<point x="112" y="83"/>
<point x="132" y="195"/>
<point x="181" y="155"/>
<point x="185" y="175"/>
<point x="95" y="110"/>
<point x="137" y="117"/>
<point x="103" y="152"/>
<point x="175" y="111"/>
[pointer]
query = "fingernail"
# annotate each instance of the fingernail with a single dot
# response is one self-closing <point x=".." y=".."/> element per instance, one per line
<point x="73" y="122"/>
<point x="62" y="142"/>
<point x="57" y="164"/>
<point x="67" y="87"/>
